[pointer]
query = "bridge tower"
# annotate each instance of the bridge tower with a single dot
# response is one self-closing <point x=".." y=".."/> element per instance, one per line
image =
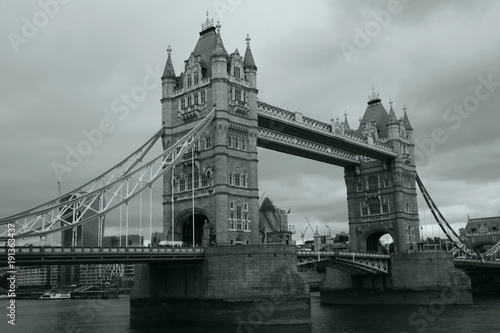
<point x="381" y="195"/>
<point x="225" y="158"/>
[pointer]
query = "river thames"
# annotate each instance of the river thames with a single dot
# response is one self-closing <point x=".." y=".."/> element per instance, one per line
<point x="112" y="316"/>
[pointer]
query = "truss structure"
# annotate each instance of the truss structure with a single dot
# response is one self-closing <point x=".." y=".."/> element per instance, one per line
<point x="112" y="189"/>
<point x="353" y="263"/>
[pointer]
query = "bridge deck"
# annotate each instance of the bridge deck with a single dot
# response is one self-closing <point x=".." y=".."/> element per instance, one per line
<point x="25" y="256"/>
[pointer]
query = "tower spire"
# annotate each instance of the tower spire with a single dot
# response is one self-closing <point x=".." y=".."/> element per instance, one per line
<point x="406" y="120"/>
<point x="169" y="72"/>
<point x="248" y="61"/>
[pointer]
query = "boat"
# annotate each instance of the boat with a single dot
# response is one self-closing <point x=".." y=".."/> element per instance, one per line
<point x="4" y="296"/>
<point x="56" y="295"/>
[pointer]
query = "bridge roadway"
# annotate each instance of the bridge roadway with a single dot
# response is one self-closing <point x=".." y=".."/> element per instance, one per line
<point x="356" y="263"/>
<point x="31" y="256"/>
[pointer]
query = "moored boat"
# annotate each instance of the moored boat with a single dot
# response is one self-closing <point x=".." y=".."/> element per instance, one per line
<point x="55" y="295"/>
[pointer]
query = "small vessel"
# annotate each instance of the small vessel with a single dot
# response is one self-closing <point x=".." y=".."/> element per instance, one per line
<point x="4" y="296"/>
<point x="56" y="295"/>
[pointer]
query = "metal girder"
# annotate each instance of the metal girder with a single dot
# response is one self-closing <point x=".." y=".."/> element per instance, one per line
<point x="113" y="189"/>
<point x="353" y="263"/>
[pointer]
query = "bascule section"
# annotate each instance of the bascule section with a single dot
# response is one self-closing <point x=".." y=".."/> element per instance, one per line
<point x="218" y="176"/>
<point x="381" y="194"/>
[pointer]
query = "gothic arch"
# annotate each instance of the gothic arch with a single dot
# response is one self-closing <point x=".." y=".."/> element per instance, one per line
<point x="184" y="225"/>
<point x="371" y="240"/>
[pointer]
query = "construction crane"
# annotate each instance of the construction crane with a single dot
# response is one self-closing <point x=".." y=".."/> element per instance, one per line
<point x="308" y="226"/>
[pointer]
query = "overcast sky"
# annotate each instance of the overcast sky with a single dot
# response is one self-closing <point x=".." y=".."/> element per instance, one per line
<point x="61" y="74"/>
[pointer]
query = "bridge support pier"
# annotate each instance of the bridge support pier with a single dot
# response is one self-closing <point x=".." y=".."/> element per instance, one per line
<point x="235" y="285"/>
<point x="415" y="278"/>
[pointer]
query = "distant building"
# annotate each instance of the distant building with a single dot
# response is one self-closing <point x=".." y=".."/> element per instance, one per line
<point x="156" y="238"/>
<point x="37" y="276"/>
<point x="481" y="234"/>
<point x="273" y="224"/>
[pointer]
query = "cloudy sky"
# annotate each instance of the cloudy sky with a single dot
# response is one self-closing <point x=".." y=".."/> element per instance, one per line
<point x="63" y="66"/>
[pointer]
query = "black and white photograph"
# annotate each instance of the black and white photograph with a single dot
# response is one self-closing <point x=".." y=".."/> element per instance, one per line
<point x="247" y="166"/>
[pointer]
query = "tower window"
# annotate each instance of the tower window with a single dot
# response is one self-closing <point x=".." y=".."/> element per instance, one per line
<point x="364" y="210"/>
<point x="359" y="185"/>
<point x="373" y="183"/>
<point x="203" y="97"/>
<point x="385" y="206"/>
<point x="374" y="208"/>
<point x="196" y="78"/>
<point x="208" y="142"/>
<point x="243" y="146"/>
<point x="237" y="72"/>
<point x="189" y="81"/>
<point x="229" y="141"/>
<point x="196" y="99"/>
<point x="182" y="185"/>
<point x="231" y="204"/>
<point x="230" y="178"/>
<point x="237" y="94"/>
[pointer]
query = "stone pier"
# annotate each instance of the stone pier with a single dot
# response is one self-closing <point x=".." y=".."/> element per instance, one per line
<point x="415" y="278"/>
<point x="233" y="285"/>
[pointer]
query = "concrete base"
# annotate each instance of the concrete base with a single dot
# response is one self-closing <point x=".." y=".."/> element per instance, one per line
<point x="416" y="278"/>
<point x="236" y="285"/>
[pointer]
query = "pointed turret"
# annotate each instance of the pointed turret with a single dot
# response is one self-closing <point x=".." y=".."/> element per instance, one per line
<point x="346" y="123"/>
<point x="392" y="124"/>
<point x="219" y="57"/>
<point x="407" y="121"/>
<point x="249" y="66"/>
<point x="219" y="49"/>
<point x="248" y="61"/>
<point x="168" y="79"/>
<point x="169" y="72"/>
<point x="392" y="116"/>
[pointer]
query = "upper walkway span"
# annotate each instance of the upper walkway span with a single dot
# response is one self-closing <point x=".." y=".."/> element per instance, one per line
<point x="295" y="134"/>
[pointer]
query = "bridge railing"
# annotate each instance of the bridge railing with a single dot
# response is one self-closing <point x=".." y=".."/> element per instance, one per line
<point x="90" y="250"/>
<point x="342" y="254"/>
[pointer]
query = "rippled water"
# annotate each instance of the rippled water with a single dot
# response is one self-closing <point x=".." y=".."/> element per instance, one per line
<point x="112" y="316"/>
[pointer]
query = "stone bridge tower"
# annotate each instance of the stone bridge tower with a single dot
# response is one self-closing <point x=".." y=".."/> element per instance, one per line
<point x="225" y="158"/>
<point x="381" y="195"/>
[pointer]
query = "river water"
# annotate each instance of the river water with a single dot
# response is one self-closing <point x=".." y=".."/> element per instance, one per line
<point x="112" y="316"/>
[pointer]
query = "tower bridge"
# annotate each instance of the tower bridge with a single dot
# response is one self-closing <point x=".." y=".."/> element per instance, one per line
<point x="212" y="124"/>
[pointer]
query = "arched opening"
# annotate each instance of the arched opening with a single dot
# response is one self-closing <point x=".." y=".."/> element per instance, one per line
<point x="185" y="228"/>
<point x="484" y="247"/>
<point x="239" y="240"/>
<point x="380" y="242"/>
